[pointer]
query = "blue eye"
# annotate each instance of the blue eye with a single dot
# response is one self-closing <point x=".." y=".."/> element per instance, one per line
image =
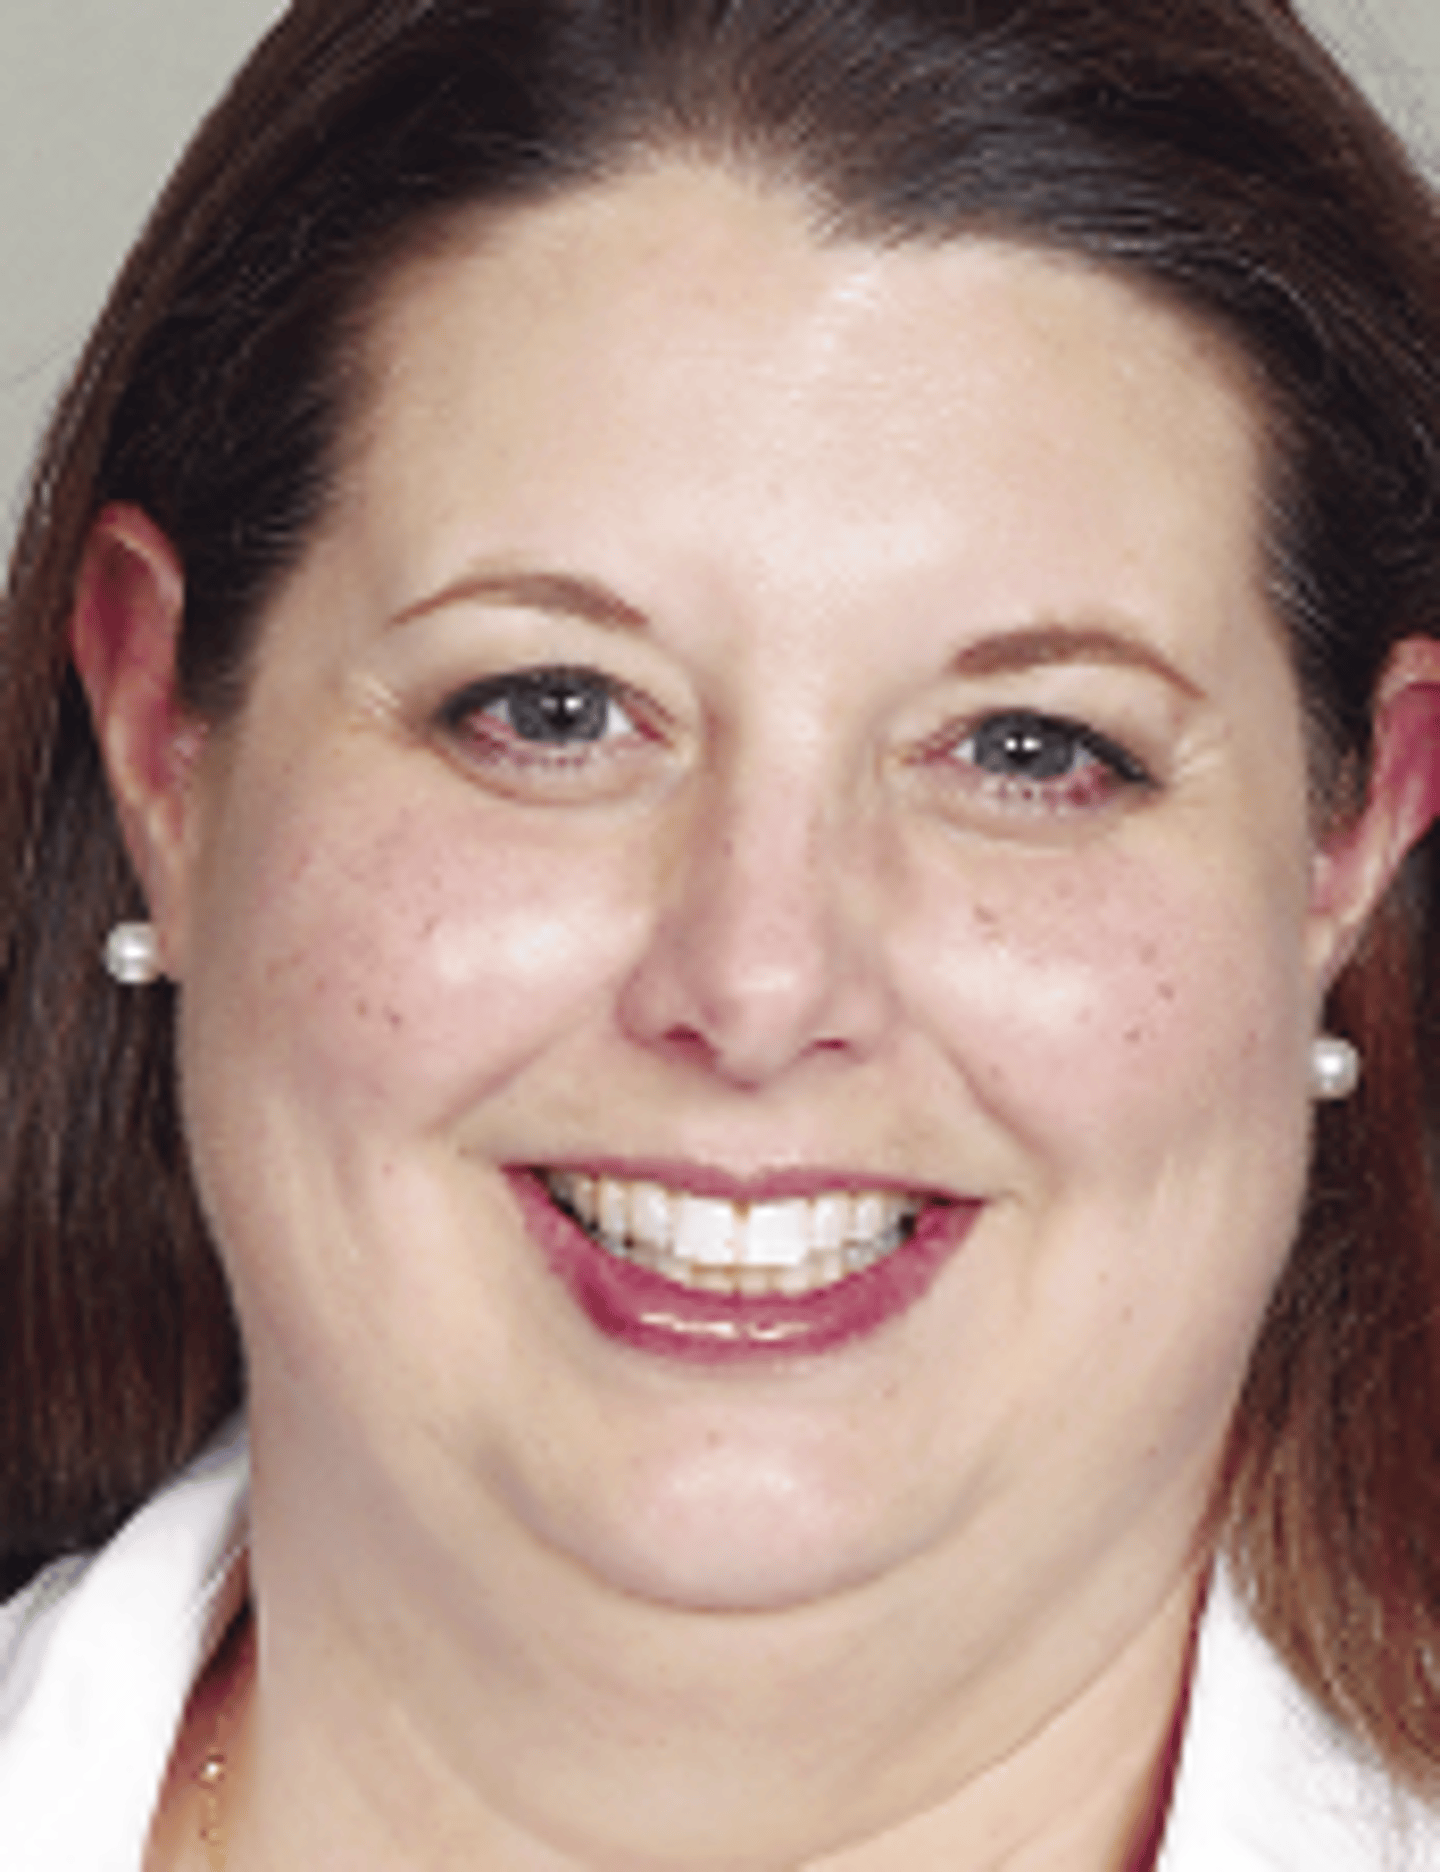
<point x="1023" y="746"/>
<point x="1031" y="759"/>
<point x="544" y="708"/>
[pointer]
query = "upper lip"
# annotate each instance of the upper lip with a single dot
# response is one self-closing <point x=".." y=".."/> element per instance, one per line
<point x="779" y="1184"/>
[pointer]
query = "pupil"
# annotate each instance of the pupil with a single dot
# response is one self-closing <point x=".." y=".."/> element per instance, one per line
<point x="1035" y="749"/>
<point x="550" y="708"/>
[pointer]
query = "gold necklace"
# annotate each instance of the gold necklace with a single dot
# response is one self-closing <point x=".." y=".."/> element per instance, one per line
<point x="212" y="1804"/>
<point x="211" y="1775"/>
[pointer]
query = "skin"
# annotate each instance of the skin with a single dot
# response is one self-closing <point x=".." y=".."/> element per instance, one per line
<point x="525" y="1597"/>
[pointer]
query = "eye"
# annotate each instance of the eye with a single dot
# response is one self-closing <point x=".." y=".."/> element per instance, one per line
<point x="555" y="735"/>
<point x="539" y="712"/>
<point x="1030" y="760"/>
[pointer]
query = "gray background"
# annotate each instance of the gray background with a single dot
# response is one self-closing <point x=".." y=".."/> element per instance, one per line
<point x="97" y="97"/>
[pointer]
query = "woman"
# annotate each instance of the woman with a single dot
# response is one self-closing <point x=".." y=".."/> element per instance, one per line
<point x="767" y="672"/>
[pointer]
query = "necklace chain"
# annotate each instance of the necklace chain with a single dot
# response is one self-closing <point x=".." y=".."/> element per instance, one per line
<point x="211" y="1777"/>
<point x="214" y="1769"/>
<point x="213" y="1773"/>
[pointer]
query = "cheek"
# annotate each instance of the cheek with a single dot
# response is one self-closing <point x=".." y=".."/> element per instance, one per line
<point x="408" y="958"/>
<point x="1096" y="1001"/>
<point x="1134" y="1033"/>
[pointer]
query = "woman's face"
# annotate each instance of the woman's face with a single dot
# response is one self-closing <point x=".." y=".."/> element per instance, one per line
<point x="766" y="722"/>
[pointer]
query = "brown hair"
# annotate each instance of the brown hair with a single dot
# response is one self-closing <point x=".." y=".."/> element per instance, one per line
<point x="1210" y="149"/>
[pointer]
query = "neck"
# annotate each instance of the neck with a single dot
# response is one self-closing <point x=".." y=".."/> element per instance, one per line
<point x="533" y="1722"/>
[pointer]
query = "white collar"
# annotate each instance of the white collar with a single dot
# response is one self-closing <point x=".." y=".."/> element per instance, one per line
<point x="98" y="1657"/>
<point x="1268" y="1783"/>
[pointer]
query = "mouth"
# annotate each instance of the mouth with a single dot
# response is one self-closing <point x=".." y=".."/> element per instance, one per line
<point x="796" y="1246"/>
<point x="687" y="1272"/>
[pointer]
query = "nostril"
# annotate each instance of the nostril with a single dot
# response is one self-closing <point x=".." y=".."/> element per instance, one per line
<point x="688" y="1045"/>
<point x="749" y="1040"/>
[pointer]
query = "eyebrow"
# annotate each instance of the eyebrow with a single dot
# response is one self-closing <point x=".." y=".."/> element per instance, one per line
<point x="556" y="592"/>
<point x="1012" y="652"/>
<point x="1003" y="653"/>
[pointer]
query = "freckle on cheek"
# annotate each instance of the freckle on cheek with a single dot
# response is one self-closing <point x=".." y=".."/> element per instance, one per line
<point x="277" y="967"/>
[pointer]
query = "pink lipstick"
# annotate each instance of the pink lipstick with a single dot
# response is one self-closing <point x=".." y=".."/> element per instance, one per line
<point x="649" y="1312"/>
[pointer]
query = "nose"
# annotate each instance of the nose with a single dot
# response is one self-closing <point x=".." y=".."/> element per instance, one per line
<point x="764" y="951"/>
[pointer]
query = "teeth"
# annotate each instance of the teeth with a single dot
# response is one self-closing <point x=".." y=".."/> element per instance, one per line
<point x="869" y="1218"/>
<point x="777" y="1234"/>
<point x="706" y="1232"/>
<point x="611" y="1214"/>
<point x="830" y="1221"/>
<point x="650" y="1217"/>
<point x="789" y="1247"/>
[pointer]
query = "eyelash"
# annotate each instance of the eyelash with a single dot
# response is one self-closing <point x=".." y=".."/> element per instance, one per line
<point x="504" y="719"/>
<point x="593" y="702"/>
<point x="1075" y="768"/>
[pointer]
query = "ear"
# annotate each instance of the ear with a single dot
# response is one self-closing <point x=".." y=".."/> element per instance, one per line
<point x="1355" y="868"/>
<point x="124" y="634"/>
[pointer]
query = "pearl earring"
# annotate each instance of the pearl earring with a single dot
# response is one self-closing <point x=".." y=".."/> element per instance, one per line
<point x="1334" y="1067"/>
<point x="132" y="954"/>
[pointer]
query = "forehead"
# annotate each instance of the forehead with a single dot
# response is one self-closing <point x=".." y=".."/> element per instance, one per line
<point x="690" y="338"/>
<point x="729" y="259"/>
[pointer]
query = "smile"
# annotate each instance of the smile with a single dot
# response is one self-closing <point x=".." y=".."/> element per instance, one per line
<point x="700" y="1276"/>
<point x="794" y="1247"/>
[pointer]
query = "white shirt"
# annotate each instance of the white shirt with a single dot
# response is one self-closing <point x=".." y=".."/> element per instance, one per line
<point x="98" y="1657"/>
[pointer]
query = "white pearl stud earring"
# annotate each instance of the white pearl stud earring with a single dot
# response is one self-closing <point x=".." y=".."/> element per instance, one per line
<point x="1334" y="1067"/>
<point x="132" y="954"/>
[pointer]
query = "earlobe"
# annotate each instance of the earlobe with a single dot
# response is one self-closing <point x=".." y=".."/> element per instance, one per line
<point x="1355" y="868"/>
<point x="124" y="635"/>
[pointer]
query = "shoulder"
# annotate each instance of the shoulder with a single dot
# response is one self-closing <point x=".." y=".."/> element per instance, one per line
<point x="1269" y="1783"/>
<point x="97" y="1656"/>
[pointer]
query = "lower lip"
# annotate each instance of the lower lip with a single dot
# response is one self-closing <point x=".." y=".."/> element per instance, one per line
<point x="644" y="1311"/>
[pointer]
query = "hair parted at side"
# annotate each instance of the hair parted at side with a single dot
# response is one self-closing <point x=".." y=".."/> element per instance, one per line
<point x="1209" y="150"/>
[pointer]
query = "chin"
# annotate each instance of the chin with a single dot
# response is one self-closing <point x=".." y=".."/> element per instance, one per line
<point x="726" y="1535"/>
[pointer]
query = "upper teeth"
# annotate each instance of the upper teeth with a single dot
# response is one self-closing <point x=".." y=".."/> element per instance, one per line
<point x="791" y="1245"/>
